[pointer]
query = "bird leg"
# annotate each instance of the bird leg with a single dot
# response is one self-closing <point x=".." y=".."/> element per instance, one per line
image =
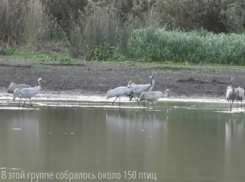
<point x="114" y="101"/>
<point x="135" y="98"/>
<point x="30" y="102"/>
<point x="138" y="102"/>
<point x="19" y="102"/>
<point x="131" y="96"/>
<point x="153" y="105"/>
<point x="24" y="104"/>
<point x="119" y="101"/>
<point x="231" y="105"/>
<point x="148" y="106"/>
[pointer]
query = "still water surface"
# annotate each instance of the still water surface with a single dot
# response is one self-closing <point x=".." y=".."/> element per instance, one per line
<point x="178" y="141"/>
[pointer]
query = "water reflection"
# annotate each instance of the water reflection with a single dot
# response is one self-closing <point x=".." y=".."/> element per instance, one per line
<point x="137" y="136"/>
<point x="179" y="145"/>
<point x="234" y="144"/>
<point x="234" y="129"/>
<point x="20" y="140"/>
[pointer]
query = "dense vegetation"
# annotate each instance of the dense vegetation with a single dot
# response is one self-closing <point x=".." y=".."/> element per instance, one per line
<point x="151" y="30"/>
<point x="194" y="47"/>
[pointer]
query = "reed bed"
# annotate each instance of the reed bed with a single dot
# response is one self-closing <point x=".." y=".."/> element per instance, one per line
<point x="194" y="47"/>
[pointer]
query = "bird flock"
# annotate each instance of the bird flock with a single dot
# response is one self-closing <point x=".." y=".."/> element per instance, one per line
<point x="140" y="92"/>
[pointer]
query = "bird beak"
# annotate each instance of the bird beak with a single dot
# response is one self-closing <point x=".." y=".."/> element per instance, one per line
<point x="44" y="81"/>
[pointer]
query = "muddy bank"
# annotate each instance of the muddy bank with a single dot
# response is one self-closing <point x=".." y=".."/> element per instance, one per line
<point x="91" y="78"/>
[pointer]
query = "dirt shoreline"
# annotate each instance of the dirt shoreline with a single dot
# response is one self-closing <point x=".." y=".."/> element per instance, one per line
<point x="96" y="78"/>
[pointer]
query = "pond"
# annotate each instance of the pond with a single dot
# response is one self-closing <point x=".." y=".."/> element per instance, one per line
<point x="177" y="141"/>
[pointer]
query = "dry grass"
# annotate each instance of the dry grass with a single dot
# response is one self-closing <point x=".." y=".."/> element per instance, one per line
<point x="10" y="20"/>
<point x="100" y="30"/>
<point x="36" y="22"/>
<point x="23" y="22"/>
<point x="152" y="18"/>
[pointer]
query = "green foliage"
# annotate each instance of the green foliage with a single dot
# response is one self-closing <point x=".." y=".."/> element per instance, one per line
<point x="194" y="47"/>
<point x="100" y="53"/>
<point x="97" y="53"/>
<point x="40" y="57"/>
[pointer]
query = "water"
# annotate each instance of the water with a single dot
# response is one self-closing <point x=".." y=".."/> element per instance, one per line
<point x="176" y="142"/>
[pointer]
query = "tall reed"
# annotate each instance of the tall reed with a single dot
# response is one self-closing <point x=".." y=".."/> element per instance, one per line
<point x="195" y="47"/>
<point x="36" y="23"/>
<point x="10" y="21"/>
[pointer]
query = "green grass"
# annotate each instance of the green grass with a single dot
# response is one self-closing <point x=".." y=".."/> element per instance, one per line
<point x="190" y="47"/>
<point x="151" y="48"/>
<point x="18" y="56"/>
<point x="40" y="57"/>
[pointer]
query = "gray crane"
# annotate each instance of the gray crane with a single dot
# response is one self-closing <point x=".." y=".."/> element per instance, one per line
<point x="118" y="92"/>
<point x="231" y="93"/>
<point x="153" y="96"/>
<point x="13" y="86"/>
<point x="240" y="95"/>
<point x="28" y="93"/>
<point x="137" y="89"/>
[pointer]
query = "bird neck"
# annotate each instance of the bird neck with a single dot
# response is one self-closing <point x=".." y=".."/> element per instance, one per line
<point x="152" y="81"/>
<point x="39" y="83"/>
<point x="232" y="84"/>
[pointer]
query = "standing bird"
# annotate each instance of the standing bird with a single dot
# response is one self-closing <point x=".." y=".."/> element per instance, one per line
<point x="138" y="89"/>
<point x="118" y="92"/>
<point x="28" y="93"/>
<point x="153" y="96"/>
<point x="240" y="95"/>
<point x="231" y="93"/>
<point x="13" y="86"/>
